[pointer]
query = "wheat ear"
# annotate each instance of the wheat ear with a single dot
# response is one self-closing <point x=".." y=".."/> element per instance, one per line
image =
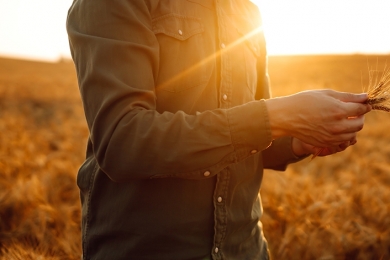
<point x="379" y="89"/>
<point x="378" y="93"/>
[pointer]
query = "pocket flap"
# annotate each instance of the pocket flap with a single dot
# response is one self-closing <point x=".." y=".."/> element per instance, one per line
<point x="205" y="3"/>
<point x="177" y="26"/>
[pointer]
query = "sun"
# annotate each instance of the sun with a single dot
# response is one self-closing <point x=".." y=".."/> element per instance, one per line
<point x="325" y="27"/>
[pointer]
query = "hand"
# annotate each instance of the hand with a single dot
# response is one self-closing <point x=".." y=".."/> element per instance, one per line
<point x="301" y="148"/>
<point x="321" y="118"/>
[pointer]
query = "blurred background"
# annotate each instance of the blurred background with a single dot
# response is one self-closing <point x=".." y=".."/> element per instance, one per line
<point x="36" y="29"/>
<point x="330" y="208"/>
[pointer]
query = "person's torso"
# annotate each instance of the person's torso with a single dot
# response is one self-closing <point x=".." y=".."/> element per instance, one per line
<point x="208" y="53"/>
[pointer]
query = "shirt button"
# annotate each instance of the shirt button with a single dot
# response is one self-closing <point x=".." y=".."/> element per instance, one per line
<point x="223" y="46"/>
<point x="206" y="173"/>
<point x="219" y="199"/>
<point x="224" y="97"/>
<point x="253" y="151"/>
<point x="216" y="250"/>
<point x="180" y="32"/>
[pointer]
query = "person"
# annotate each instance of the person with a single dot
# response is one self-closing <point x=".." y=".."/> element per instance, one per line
<point x="177" y="102"/>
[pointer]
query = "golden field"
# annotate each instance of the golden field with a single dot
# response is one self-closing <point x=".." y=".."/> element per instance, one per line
<point x="335" y="207"/>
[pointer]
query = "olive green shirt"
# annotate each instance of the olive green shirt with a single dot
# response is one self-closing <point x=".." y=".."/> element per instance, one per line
<point x="179" y="134"/>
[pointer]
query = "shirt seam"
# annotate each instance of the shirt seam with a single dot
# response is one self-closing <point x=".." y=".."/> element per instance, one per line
<point x="85" y="235"/>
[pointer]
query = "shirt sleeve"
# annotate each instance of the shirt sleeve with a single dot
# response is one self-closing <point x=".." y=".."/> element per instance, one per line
<point x="116" y="55"/>
<point x="279" y="154"/>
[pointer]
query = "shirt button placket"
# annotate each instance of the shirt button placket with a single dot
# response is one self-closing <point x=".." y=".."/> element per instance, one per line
<point x="224" y="99"/>
<point x="225" y="88"/>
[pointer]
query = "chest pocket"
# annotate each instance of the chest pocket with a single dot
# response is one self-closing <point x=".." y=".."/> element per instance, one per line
<point x="183" y="53"/>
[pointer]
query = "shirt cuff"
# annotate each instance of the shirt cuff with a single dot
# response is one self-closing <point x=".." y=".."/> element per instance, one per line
<point x="280" y="154"/>
<point x="250" y="128"/>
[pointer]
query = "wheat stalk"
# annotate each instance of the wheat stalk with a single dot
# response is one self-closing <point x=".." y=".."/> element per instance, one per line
<point x="379" y="89"/>
<point x="378" y="92"/>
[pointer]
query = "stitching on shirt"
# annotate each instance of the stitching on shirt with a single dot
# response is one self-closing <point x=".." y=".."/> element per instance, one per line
<point x="266" y="120"/>
<point x="186" y="34"/>
<point x="162" y="17"/>
<point x="220" y="212"/>
<point x="227" y="76"/>
<point x="88" y="209"/>
<point x="231" y="129"/>
<point x="203" y="3"/>
<point x="225" y="190"/>
<point x="225" y="161"/>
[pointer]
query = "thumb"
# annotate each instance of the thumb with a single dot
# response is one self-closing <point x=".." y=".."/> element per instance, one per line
<point x="351" y="97"/>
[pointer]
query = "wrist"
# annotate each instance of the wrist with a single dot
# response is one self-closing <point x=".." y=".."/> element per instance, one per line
<point x="276" y="115"/>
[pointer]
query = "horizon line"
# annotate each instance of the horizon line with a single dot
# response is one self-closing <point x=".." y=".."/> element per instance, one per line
<point x="67" y="58"/>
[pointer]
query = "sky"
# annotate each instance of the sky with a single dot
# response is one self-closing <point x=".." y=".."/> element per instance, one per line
<point x="326" y="26"/>
<point x="36" y="29"/>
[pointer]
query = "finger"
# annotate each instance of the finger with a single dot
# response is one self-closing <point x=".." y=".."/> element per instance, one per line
<point x="348" y="125"/>
<point x="333" y="150"/>
<point x="330" y="150"/>
<point x="324" y="151"/>
<point x="317" y="151"/>
<point x="338" y="140"/>
<point x="350" y="97"/>
<point x="344" y="146"/>
<point x="347" y="137"/>
<point x="328" y="140"/>
<point x="356" y="109"/>
<point x="337" y="149"/>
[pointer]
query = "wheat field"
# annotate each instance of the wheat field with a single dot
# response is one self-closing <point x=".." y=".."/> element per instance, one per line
<point x="329" y="208"/>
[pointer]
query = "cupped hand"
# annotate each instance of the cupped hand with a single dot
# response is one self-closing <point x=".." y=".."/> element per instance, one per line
<point x="321" y="118"/>
<point x="301" y="148"/>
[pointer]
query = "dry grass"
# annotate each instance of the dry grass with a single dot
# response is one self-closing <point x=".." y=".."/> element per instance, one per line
<point x="41" y="147"/>
<point x="331" y="208"/>
<point x="334" y="207"/>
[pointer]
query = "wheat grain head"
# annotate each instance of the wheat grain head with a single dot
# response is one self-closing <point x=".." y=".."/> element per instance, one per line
<point x="378" y="92"/>
<point x="379" y="88"/>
